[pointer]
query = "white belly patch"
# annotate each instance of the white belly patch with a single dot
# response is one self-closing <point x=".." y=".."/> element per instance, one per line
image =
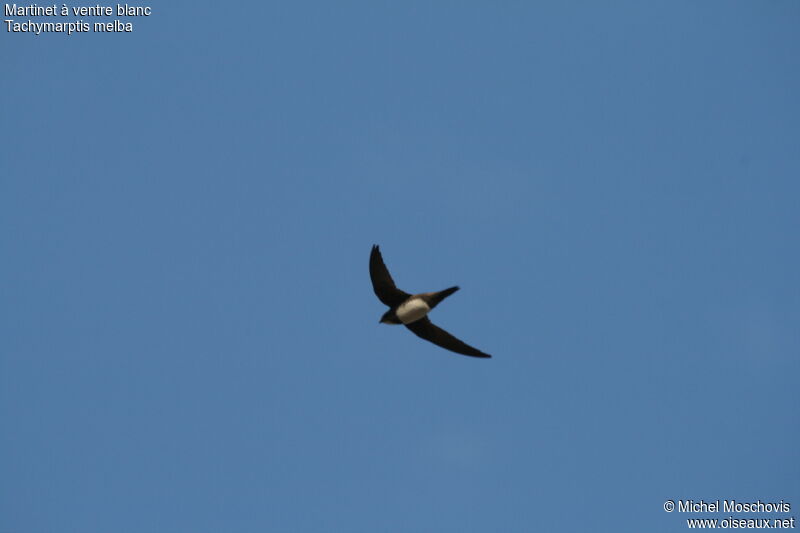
<point x="412" y="311"/>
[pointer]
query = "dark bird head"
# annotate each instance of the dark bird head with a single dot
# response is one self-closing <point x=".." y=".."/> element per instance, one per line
<point x="389" y="317"/>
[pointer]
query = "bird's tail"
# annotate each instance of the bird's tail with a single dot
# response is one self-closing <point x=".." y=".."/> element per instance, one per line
<point x="436" y="297"/>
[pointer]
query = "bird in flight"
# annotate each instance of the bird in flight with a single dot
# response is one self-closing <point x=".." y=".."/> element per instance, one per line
<point x="411" y="310"/>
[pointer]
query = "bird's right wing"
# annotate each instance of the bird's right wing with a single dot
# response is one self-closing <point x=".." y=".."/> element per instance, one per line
<point x="425" y="329"/>
<point x="382" y="282"/>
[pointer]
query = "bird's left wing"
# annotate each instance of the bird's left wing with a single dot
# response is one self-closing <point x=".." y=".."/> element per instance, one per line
<point x="382" y="282"/>
<point x="425" y="329"/>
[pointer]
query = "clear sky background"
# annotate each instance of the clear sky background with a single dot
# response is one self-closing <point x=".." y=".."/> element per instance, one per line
<point x="190" y="342"/>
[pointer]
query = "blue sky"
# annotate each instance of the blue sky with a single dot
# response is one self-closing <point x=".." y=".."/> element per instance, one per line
<point x="190" y="342"/>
